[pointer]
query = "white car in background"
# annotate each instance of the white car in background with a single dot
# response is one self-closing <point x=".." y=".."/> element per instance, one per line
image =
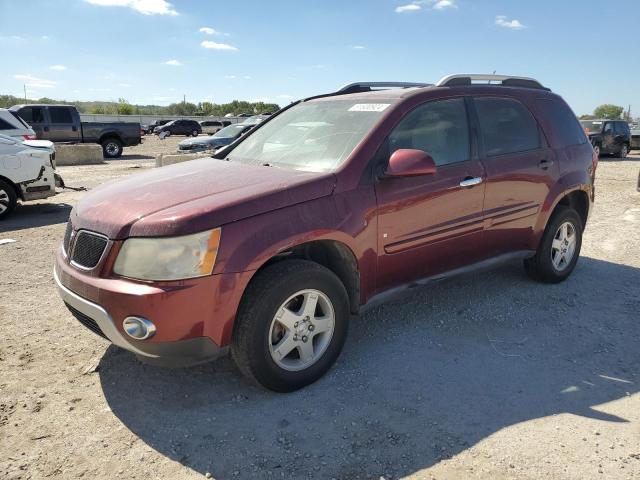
<point x="12" y="125"/>
<point x="27" y="172"/>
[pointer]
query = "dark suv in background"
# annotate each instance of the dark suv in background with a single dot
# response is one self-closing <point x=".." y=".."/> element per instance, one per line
<point x="610" y="137"/>
<point x="180" y="127"/>
<point x="333" y="203"/>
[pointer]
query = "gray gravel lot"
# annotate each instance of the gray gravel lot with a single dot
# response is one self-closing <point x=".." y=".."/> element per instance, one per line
<point x="488" y="376"/>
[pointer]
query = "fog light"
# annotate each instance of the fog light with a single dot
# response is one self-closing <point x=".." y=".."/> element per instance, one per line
<point x="139" y="328"/>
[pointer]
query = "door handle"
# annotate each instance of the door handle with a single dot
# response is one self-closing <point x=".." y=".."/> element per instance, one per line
<point x="470" y="181"/>
<point x="544" y="164"/>
<point x="46" y="129"/>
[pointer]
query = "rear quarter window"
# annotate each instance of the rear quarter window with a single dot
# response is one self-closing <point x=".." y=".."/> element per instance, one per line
<point x="565" y="128"/>
<point x="4" y="125"/>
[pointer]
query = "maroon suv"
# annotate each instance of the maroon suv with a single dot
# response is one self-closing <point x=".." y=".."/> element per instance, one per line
<point x="268" y="247"/>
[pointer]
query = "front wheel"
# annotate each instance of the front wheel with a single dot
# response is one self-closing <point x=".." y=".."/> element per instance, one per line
<point x="559" y="249"/>
<point x="112" y="148"/>
<point x="195" y="133"/>
<point x="8" y="199"/>
<point x="291" y="325"/>
<point x="596" y="148"/>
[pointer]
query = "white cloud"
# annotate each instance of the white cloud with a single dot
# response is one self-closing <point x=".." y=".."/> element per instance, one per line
<point x="412" y="7"/>
<point x="35" y="82"/>
<point x="233" y="77"/>
<point x="247" y="77"/>
<point x="216" y="46"/>
<point x="444" y="4"/>
<point x="124" y="85"/>
<point x="58" y="67"/>
<point x="433" y="4"/>
<point x="230" y="77"/>
<point x="501" y="21"/>
<point x="146" y="7"/>
<point x="211" y="31"/>
<point x="358" y="47"/>
<point x="173" y="63"/>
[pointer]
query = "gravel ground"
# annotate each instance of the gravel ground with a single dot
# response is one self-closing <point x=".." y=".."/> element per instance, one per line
<point x="488" y="376"/>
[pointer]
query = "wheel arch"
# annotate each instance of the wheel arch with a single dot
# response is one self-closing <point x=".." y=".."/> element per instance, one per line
<point x="332" y="254"/>
<point x="108" y="135"/>
<point x="16" y="189"/>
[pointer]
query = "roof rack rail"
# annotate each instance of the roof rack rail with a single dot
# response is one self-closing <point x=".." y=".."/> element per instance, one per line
<point x="368" y="86"/>
<point x="461" y="79"/>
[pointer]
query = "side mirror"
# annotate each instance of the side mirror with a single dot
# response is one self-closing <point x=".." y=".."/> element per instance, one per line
<point x="410" y="163"/>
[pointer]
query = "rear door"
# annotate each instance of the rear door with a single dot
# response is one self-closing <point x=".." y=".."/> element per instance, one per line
<point x="609" y="138"/>
<point x="430" y="224"/>
<point x="520" y="167"/>
<point x="62" y="126"/>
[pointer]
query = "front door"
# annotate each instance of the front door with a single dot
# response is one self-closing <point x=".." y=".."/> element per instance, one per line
<point x="430" y="224"/>
<point x="520" y="169"/>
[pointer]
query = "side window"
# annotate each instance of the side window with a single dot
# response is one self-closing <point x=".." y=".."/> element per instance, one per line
<point x="506" y="126"/>
<point x="439" y="128"/>
<point x="60" y="115"/>
<point x="566" y="130"/>
<point x="608" y="127"/>
<point x="4" y="125"/>
<point x="32" y="115"/>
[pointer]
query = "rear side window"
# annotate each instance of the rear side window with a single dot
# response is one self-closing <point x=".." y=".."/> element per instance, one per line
<point x="622" y="128"/>
<point x="4" y="125"/>
<point x="18" y="119"/>
<point x="566" y="129"/>
<point x="439" y="128"/>
<point x="60" y="115"/>
<point x="506" y="126"/>
<point x="32" y="115"/>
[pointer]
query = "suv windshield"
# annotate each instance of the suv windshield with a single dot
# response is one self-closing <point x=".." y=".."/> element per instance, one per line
<point x="592" y="126"/>
<point x="314" y="136"/>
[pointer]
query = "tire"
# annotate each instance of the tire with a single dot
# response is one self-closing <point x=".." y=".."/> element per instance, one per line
<point x="8" y="199"/>
<point x="194" y="133"/>
<point x="624" y="151"/>
<point x="259" y="335"/>
<point x="596" y="148"/>
<point x="544" y="265"/>
<point x="111" y="148"/>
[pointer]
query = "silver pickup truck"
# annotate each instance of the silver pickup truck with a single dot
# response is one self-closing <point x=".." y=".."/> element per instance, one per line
<point x="635" y="135"/>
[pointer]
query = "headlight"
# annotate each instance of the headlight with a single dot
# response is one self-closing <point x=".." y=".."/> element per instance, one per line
<point x="173" y="258"/>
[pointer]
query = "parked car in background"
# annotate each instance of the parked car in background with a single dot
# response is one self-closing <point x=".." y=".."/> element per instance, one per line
<point x="144" y="129"/>
<point x="611" y="137"/>
<point x="27" y="172"/>
<point x="212" y="126"/>
<point x="222" y="138"/>
<point x="156" y="124"/>
<point x="321" y="210"/>
<point x="254" y="119"/>
<point x="61" y="123"/>
<point x="179" y="127"/>
<point x="13" y="126"/>
<point x="635" y="136"/>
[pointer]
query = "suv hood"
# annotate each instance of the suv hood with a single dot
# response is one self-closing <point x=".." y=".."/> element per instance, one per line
<point x="194" y="196"/>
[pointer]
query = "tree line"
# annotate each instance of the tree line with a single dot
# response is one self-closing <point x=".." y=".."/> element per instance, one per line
<point x="123" y="107"/>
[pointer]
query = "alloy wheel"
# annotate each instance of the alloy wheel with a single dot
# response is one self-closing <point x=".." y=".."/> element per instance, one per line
<point x="563" y="246"/>
<point x="301" y="330"/>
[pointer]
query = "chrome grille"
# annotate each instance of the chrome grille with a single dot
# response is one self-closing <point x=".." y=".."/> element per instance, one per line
<point x="88" y="249"/>
<point x="67" y="237"/>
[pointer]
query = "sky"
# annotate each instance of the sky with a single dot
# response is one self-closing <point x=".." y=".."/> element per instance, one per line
<point x="157" y="51"/>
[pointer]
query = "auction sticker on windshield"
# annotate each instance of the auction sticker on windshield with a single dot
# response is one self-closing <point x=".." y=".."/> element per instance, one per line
<point x="369" y="107"/>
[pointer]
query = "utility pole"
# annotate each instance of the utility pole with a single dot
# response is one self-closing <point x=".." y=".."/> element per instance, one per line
<point x="24" y="86"/>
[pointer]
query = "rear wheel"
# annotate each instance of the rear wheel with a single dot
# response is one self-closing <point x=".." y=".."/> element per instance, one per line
<point x="624" y="151"/>
<point x="112" y="148"/>
<point x="8" y="199"/>
<point x="559" y="249"/>
<point x="291" y="325"/>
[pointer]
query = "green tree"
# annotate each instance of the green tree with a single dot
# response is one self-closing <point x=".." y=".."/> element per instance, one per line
<point x="608" y="111"/>
<point x="124" y="107"/>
